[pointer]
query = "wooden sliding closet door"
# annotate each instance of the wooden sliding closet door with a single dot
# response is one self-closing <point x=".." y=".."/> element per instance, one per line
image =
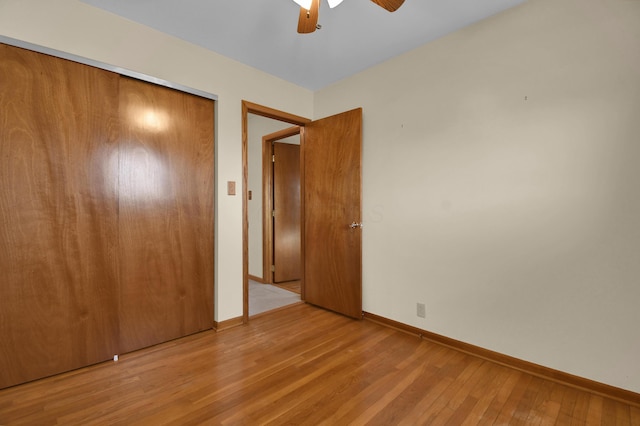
<point x="165" y="214"/>
<point x="58" y="215"/>
<point x="106" y="215"/>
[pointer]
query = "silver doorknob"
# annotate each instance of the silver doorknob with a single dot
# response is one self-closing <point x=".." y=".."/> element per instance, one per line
<point x="355" y="225"/>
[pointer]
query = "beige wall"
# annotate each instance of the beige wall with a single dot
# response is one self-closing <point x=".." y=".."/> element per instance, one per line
<point x="80" y="29"/>
<point x="502" y="186"/>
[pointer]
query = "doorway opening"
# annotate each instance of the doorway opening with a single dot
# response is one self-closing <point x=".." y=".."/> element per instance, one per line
<point x="281" y="209"/>
<point x="274" y="216"/>
<point x="261" y="128"/>
<point x="331" y="208"/>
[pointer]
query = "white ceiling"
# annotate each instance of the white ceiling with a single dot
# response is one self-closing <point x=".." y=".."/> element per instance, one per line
<point x="262" y="33"/>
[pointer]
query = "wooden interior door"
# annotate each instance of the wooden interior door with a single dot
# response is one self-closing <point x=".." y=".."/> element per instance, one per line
<point x="286" y="216"/>
<point x="165" y="214"/>
<point x="332" y="182"/>
<point x="58" y="215"/>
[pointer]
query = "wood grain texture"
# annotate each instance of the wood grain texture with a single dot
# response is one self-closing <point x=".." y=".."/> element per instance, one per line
<point x="390" y="5"/>
<point x="263" y="111"/>
<point x="286" y="204"/>
<point x="308" y="19"/>
<point x="58" y="210"/>
<point x="267" y="198"/>
<point x="106" y="215"/>
<point x="305" y="366"/>
<point x="267" y="208"/>
<point x="165" y="214"/>
<point x="515" y="363"/>
<point x="332" y="167"/>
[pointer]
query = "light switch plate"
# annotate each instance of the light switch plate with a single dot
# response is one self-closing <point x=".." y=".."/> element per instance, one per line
<point x="231" y="188"/>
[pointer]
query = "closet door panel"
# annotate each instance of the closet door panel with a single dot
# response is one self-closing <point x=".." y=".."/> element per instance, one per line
<point x="165" y="214"/>
<point x="58" y="215"/>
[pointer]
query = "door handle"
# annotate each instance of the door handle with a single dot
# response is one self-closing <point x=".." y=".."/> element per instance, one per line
<point x="355" y="225"/>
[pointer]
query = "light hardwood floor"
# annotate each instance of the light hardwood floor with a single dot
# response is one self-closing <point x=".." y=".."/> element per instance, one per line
<point x="303" y="365"/>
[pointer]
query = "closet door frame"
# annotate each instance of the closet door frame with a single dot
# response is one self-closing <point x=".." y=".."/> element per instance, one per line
<point x="107" y="67"/>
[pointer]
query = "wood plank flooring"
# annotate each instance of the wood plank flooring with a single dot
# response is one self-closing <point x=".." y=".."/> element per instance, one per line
<point x="293" y="286"/>
<point x="304" y="366"/>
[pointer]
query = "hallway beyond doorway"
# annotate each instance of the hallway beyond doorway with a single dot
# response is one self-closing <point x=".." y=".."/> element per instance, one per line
<point x="266" y="297"/>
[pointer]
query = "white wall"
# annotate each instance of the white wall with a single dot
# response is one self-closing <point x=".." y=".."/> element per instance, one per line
<point x="83" y="30"/>
<point x="502" y="186"/>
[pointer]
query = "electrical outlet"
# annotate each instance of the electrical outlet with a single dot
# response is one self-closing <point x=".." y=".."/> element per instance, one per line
<point x="420" y="310"/>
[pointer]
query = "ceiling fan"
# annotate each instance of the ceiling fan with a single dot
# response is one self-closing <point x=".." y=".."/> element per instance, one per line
<point x="308" y="21"/>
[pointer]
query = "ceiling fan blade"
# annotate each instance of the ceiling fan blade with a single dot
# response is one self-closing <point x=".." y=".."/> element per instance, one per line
<point x="309" y="18"/>
<point x="390" y="5"/>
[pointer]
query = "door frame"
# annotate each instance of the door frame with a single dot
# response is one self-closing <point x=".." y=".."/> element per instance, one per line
<point x="252" y="108"/>
<point x="267" y="197"/>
